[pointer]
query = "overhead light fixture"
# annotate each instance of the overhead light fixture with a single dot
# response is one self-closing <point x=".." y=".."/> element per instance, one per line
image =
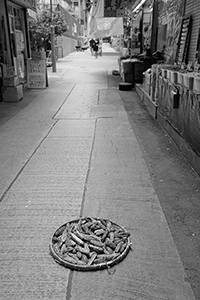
<point x="139" y="5"/>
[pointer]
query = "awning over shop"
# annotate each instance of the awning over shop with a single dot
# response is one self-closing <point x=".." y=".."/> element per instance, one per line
<point x="31" y="4"/>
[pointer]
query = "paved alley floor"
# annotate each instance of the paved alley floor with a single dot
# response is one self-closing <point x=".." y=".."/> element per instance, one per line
<point x="70" y="151"/>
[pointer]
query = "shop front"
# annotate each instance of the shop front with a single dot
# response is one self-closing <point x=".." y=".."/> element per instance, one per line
<point x="5" y="52"/>
<point x="137" y="56"/>
<point x="19" y="41"/>
<point x="171" y="89"/>
<point x="16" y="47"/>
<point x="141" y="27"/>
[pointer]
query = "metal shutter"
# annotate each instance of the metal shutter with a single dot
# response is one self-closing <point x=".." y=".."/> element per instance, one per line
<point x="193" y="8"/>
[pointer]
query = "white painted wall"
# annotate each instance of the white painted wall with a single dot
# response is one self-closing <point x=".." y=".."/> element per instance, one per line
<point x="66" y="45"/>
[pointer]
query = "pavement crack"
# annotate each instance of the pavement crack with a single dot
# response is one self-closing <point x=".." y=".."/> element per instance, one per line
<point x="88" y="171"/>
<point x="70" y="279"/>
<point x="54" y="116"/>
<point x="69" y="285"/>
<point x="25" y="163"/>
<point x="98" y="97"/>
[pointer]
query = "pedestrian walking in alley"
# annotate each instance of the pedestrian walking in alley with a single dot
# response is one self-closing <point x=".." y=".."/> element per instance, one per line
<point x="100" y="47"/>
<point x="96" y="48"/>
<point x="91" y="42"/>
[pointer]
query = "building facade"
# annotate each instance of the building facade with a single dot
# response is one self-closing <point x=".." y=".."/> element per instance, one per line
<point x="14" y="46"/>
<point x="171" y="89"/>
<point x="72" y="11"/>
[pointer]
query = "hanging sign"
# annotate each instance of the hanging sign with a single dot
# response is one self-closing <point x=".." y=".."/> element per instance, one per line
<point x="36" y="74"/>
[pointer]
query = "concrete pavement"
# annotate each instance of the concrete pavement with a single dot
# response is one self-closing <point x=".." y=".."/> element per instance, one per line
<point x="70" y="151"/>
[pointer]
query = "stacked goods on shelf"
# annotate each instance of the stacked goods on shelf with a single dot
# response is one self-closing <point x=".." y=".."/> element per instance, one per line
<point x="185" y="76"/>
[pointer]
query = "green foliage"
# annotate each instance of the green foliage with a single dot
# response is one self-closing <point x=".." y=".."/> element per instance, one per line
<point x="127" y="19"/>
<point x="40" y="29"/>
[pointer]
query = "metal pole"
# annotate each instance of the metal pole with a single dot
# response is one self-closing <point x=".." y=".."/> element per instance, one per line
<point x="53" y="51"/>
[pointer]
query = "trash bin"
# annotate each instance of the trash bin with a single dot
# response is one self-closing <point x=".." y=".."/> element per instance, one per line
<point x="127" y="71"/>
<point x="138" y="69"/>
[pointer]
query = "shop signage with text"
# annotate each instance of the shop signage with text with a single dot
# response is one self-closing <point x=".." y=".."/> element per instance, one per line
<point x="36" y="74"/>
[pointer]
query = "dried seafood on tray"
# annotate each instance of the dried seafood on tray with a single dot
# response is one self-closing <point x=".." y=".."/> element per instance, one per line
<point x="90" y="244"/>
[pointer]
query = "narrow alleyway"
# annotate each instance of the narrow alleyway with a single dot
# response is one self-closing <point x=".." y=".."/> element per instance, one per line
<point x="79" y="148"/>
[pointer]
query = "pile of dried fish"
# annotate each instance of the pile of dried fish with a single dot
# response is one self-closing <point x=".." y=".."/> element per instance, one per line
<point x="89" y="242"/>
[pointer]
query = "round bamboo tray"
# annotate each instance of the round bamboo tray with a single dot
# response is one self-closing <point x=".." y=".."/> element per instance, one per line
<point x="95" y="257"/>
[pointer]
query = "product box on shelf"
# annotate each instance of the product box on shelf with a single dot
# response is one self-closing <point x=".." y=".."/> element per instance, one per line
<point x="180" y="78"/>
<point x="147" y="82"/>
<point x="164" y="73"/>
<point x="188" y="80"/>
<point x="13" y="93"/>
<point x="196" y="85"/>
<point x="174" y="76"/>
<point x="169" y="74"/>
<point x="10" y="81"/>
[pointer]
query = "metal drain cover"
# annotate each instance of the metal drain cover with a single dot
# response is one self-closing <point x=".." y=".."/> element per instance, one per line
<point x="89" y="244"/>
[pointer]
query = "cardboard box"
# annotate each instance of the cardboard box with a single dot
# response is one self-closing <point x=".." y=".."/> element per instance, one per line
<point x="13" y="94"/>
<point x="8" y="70"/>
<point x="127" y="71"/>
<point x="38" y="55"/>
<point x="10" y="81"/>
